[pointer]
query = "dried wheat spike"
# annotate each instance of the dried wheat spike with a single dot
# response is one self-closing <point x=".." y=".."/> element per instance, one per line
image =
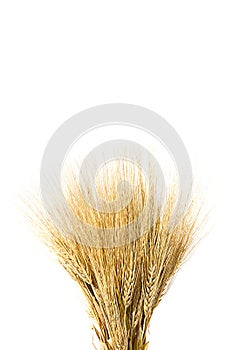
<point x="123" y="284"/>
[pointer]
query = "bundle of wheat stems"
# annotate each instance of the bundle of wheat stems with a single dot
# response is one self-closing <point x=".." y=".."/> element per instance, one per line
<point x="123" y="283"/>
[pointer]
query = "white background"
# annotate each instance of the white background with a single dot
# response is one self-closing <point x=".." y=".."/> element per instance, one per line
<point x="60" y="57"/>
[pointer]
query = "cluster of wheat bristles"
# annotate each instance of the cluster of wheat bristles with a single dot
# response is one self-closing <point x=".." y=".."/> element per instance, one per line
<point x="123" y="284"/>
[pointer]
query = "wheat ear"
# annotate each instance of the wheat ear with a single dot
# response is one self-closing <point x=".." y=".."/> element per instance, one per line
<point x="123" y="284"/>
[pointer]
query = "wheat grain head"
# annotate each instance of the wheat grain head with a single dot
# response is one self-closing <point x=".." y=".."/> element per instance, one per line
<point x="123" y="284"/>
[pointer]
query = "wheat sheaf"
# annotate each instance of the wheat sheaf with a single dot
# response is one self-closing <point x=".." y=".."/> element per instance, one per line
<point x="122" y="283"/>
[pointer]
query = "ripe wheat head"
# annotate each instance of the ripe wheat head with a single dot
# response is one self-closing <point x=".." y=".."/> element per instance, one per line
<point x="123" y="283"/>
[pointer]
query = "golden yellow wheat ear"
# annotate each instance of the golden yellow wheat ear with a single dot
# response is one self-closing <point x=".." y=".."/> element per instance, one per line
<point x="124" y="281"/>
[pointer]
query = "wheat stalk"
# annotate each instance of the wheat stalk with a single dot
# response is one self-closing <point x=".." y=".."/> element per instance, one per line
<point x="123" y="284"/>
